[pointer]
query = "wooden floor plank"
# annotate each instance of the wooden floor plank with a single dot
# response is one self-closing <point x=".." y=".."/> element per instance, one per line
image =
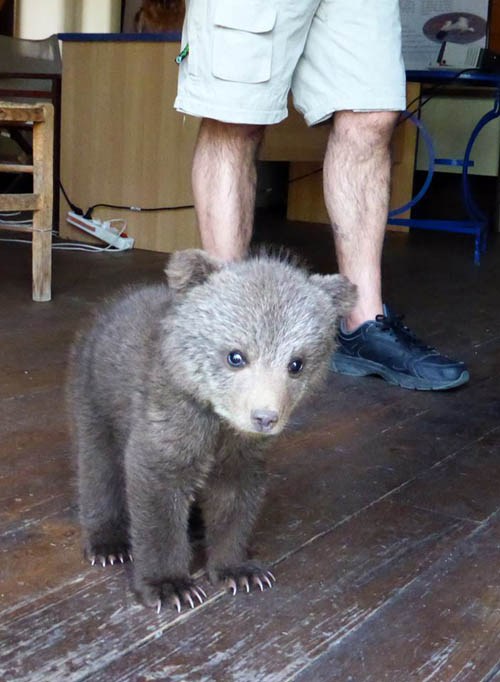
<point x="470" y="479"/>
<point x="432" y="630"/>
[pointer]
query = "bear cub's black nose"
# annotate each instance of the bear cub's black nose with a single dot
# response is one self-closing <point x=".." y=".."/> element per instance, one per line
<point x="264" y="420"/>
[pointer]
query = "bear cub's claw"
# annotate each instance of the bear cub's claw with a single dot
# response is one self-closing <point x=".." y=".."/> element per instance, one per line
<point x="175" y="592"/>
<point x="108" y="554"/>
<point x="246" y="577"/>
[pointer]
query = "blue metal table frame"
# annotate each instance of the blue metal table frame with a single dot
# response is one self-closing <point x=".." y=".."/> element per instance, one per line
<point x="477" y="221"/>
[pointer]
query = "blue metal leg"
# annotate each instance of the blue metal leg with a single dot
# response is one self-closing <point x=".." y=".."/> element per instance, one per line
<point x="478" y="223"/>
<point x="471" y="206"/>
<point x="431" y="162"/>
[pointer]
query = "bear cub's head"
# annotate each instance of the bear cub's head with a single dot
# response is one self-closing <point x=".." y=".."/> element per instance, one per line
<point x="251" y="338"/>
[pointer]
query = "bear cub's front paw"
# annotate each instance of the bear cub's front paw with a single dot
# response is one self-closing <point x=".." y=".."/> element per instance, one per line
<point x="105" y="553"/>
<point x="175" y="592"/>
<point x="246" y="577"/>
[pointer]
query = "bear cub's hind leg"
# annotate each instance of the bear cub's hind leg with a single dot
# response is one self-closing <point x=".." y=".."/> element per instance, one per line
<point x="103" y="508"/>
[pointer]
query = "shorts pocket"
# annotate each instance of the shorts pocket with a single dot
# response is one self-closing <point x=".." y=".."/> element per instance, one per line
<point x="243" y="40"/>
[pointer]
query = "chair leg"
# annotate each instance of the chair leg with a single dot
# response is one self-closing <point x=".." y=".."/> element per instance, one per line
<point x="43" y="141"/>
<point x="42" y="264"/>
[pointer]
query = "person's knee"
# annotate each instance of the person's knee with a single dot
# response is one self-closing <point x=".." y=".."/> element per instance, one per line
<point x="365" y="131"/>
<point x="238" y="134"/>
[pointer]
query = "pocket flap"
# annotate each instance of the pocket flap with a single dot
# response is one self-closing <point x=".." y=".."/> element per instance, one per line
<point x="245" y="15"/>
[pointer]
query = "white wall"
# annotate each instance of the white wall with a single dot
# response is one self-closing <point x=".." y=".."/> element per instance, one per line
<point x="100" y="16"/>
<point x="40" y="18"/>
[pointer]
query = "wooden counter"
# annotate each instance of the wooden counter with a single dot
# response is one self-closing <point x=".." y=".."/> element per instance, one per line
<point x="123" y="143"/>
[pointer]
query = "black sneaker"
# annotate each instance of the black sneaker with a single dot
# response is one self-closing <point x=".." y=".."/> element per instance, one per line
<point x="386" y="347"/>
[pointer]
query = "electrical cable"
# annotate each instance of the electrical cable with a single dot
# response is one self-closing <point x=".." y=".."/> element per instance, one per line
<point x="306" y="175"/>
<point x="14" y="222"/>
<point x="65" y="246"/>
<point x="138" y="209"/>
<point x="76" y="209"/>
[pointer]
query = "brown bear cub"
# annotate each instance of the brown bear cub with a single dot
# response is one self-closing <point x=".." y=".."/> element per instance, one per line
<point x="175" y="392"/>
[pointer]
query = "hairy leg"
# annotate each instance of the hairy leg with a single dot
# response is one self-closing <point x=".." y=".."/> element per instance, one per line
<point x="224" y="180"/>
<point x="357" y="171"/>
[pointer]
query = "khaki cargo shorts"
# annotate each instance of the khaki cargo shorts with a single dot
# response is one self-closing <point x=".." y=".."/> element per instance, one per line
<point x="246" y="55"/>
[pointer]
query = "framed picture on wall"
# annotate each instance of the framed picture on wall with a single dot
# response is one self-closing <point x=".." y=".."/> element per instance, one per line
<point x="152" y="16"/>
<point x="427" y="25"/>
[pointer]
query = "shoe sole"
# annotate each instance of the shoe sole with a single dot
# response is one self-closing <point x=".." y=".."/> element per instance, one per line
<point x="358" y="367"/>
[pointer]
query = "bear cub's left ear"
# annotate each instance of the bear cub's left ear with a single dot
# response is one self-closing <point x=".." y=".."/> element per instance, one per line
<point x="189" y="268"/>
<point x="342" y="291"/>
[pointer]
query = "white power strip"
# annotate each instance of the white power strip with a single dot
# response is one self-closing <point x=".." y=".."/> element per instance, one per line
<point x="101" y="230"/>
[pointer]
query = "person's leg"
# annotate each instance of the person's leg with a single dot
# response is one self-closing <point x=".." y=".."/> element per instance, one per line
<point x="352" y="68"/>
<point x="235" y="72"/>
<point x="224" y="181"/>
<point x="356" y="174"/>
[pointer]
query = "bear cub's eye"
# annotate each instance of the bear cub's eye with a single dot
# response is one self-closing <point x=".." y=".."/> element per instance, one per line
<point x="236" y="359"/>
<point x="295" y="366"/>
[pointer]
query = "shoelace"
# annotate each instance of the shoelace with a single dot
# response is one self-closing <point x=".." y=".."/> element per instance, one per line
<point x="394" y="323"/>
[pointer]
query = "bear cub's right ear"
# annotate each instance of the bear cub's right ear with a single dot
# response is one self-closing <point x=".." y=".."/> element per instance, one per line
<point x="189" y="268"/>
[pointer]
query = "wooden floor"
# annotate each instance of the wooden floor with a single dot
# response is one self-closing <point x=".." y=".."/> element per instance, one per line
<point x="382" y="521"/>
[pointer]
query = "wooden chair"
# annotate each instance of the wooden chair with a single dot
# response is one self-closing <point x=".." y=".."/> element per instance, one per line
<point x="30" y="101"/>
<point x="41" y="117"/>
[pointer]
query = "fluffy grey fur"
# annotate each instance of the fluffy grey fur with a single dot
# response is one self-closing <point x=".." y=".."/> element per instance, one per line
<point x="174" y="392"/>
